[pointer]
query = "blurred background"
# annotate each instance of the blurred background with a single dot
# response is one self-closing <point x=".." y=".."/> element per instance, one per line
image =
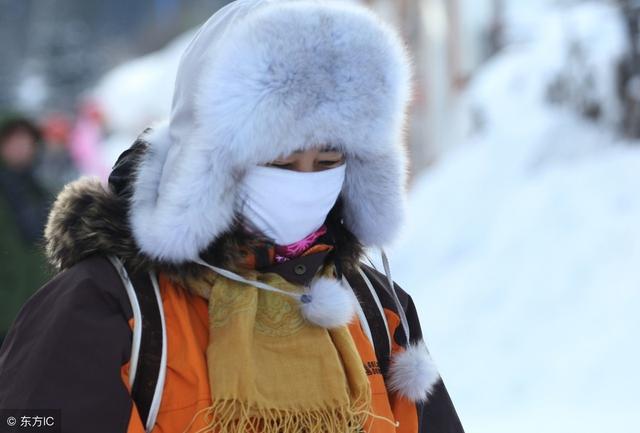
<point x="522" y="248"/>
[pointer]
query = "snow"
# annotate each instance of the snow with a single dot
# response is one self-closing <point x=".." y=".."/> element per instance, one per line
<point x="522" y="248"/>
<point x="146" y="84"/>
<point x="137" y="94"/>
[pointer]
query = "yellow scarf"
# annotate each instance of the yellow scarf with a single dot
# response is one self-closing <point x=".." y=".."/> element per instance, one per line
<point x="272" y="372"/>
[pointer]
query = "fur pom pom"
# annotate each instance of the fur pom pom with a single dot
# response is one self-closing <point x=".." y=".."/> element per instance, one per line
<point x="412" y="373"/>
<point x="328" y="304"/>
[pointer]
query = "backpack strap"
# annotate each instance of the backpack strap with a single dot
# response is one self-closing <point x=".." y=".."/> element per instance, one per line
<point x="375" y="319"/>
<point x="148" y="365"/>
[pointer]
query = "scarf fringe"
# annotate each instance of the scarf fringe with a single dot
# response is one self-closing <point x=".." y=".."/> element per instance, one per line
<point x="232" y="416"/>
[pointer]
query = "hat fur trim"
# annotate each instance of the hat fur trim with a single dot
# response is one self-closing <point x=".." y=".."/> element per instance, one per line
<point x="288" y="76"/>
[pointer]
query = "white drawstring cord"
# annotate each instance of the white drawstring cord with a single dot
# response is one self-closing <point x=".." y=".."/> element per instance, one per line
<point x="401" y="313"/>
<point x="325" y="302"/>
<point x="304" y="298"/>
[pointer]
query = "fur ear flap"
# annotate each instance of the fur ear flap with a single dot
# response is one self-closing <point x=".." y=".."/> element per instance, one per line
<point x="182" y="199"/>
<point x="328" y="304"/>
<point x="412" y="373"/>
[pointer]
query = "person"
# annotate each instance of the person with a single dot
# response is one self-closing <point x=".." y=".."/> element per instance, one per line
<point x="24" y="203"/>
<point x="86" y="139"/>
<point x="55" y="167"/>
<point x="247" y="215"/>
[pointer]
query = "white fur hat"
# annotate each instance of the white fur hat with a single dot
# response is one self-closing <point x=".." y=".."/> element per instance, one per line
<point x="261" y="79"/>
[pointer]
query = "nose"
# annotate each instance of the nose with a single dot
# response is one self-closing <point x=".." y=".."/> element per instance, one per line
<point x="305" y="161"/>
<point x="304" y="165"/>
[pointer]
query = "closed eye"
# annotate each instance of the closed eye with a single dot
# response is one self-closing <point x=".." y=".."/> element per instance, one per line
<point x="330" y="162"/>
<point x="330" y="159"/>
<point x="280" y="164"/>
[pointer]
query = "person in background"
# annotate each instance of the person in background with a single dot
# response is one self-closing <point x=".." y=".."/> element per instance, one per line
<point x="55" y="166"/>
<point x="85" y="140"/>
<point x="24" y="204"/>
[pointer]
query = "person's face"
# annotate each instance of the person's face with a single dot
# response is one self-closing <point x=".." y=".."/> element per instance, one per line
<point x="18" y="150"/>
<point x="315" y="159"/>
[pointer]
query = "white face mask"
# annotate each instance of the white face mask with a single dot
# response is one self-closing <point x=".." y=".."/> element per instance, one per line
<point x="287" y="205"/>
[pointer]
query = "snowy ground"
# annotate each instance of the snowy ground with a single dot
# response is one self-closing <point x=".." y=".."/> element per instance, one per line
<point x="523" y="245"/>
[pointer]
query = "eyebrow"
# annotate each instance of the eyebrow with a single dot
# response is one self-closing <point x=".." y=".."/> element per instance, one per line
<point x="330" y="149"/>
<point x="323" y="149"/>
